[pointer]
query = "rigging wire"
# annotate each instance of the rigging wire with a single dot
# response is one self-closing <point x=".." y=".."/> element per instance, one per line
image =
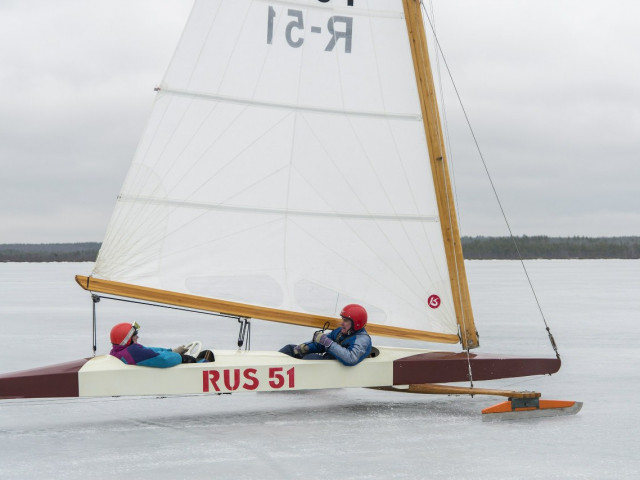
<point x="244" y="335"/>
<point x="445" y="123"/>
<point x="462" y="323"/>
<point x="495" y="192"/>
<point x="171" y="307"/>
<point x="455" y="190"/>
<point x="95" y="299"/>
<point x="462" y="312"/>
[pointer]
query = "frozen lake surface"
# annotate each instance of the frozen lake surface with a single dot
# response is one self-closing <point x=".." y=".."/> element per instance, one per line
<point x="593" y="309"/>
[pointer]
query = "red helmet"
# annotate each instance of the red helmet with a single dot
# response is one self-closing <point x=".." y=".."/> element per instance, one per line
<point x="357" y="314"/>
<point x="122" y="333"/>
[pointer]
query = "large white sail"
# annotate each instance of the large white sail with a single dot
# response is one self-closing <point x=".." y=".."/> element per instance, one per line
<point x="285" y="165"/>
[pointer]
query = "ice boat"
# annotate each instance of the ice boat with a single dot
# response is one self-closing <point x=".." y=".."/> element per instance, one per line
<point x="293" y="162"/>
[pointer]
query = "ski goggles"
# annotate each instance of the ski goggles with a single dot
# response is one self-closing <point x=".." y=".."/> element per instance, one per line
<point x="133" y="331"/>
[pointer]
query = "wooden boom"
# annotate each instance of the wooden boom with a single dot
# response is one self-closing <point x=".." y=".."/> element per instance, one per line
<point x="245" y="310"/>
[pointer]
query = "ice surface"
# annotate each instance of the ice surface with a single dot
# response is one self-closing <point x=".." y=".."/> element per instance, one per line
<point x="593" y="309"/>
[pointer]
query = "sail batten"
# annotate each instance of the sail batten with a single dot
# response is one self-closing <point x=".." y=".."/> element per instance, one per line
<point x="273" y="211"/>
<point x="286" y="106"/>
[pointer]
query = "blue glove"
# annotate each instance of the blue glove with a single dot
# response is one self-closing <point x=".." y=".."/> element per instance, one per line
<point x="322" y="339"/>
<point x="301" y="350"/>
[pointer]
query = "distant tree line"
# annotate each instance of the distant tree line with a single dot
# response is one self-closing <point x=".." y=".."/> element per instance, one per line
<point x="485" y="248"/>
<point x="475" y="248"/>
<point x="49" y="252"/>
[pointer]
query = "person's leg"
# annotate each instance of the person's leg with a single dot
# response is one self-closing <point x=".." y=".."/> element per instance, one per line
<point x="315" y="356"/>
<point x="288" y="350"/>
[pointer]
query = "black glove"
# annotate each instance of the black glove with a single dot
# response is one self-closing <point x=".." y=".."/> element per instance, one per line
<point x="187" y="358"/>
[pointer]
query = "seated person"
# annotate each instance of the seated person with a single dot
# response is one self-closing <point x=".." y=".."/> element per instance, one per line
<point x="124" y="338"/>
<point x="349" y="344"/>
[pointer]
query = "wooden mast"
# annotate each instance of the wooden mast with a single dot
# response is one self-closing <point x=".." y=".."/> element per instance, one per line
<point x="440" y="171"/>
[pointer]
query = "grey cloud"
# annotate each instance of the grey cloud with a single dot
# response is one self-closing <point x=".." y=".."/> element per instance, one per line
<point x="551" y="88"/>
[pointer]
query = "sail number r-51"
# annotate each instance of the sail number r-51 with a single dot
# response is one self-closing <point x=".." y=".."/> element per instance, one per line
<point x="339" y="28"/>
<point x="232" y="379"/>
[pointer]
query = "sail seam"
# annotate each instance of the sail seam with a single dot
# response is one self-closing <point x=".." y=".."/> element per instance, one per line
<point x="279" y="211"/>
<point x="306" y="108"/>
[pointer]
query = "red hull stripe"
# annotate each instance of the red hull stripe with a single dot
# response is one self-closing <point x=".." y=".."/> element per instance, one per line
<point x="443" y="367"/>
<point x="59" y="380"/>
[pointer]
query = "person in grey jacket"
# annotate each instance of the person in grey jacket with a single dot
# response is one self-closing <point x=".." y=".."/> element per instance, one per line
<point x="349" y="344"/>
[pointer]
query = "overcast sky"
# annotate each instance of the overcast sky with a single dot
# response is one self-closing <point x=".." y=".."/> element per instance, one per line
<point x="552" y="89"/>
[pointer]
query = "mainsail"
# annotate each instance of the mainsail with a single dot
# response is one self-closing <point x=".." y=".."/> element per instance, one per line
<point x="285" y="169"/>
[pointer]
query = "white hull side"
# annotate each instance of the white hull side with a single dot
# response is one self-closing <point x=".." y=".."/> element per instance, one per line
<point x="236" y="371"/>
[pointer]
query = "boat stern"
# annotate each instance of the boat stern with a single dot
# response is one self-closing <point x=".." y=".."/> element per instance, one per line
<point x="59" y="380"/>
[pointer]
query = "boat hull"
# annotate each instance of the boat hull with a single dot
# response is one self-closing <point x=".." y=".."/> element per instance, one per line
<point x="444" y="367"/>
<point x="236" y="371"/>
<point x="59" y="380"/>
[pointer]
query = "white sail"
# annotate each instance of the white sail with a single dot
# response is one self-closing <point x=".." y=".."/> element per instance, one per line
<point x="285" y="165"/>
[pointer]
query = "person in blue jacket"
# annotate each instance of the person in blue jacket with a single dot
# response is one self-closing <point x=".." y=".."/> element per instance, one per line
<point x="349" y="344"/>
<point x="124" y="338"/>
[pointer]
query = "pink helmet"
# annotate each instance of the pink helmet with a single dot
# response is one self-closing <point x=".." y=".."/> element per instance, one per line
<point x="357" y="314"/>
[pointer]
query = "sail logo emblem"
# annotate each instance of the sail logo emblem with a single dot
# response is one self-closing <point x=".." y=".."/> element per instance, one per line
<point x="434" y="301"/>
